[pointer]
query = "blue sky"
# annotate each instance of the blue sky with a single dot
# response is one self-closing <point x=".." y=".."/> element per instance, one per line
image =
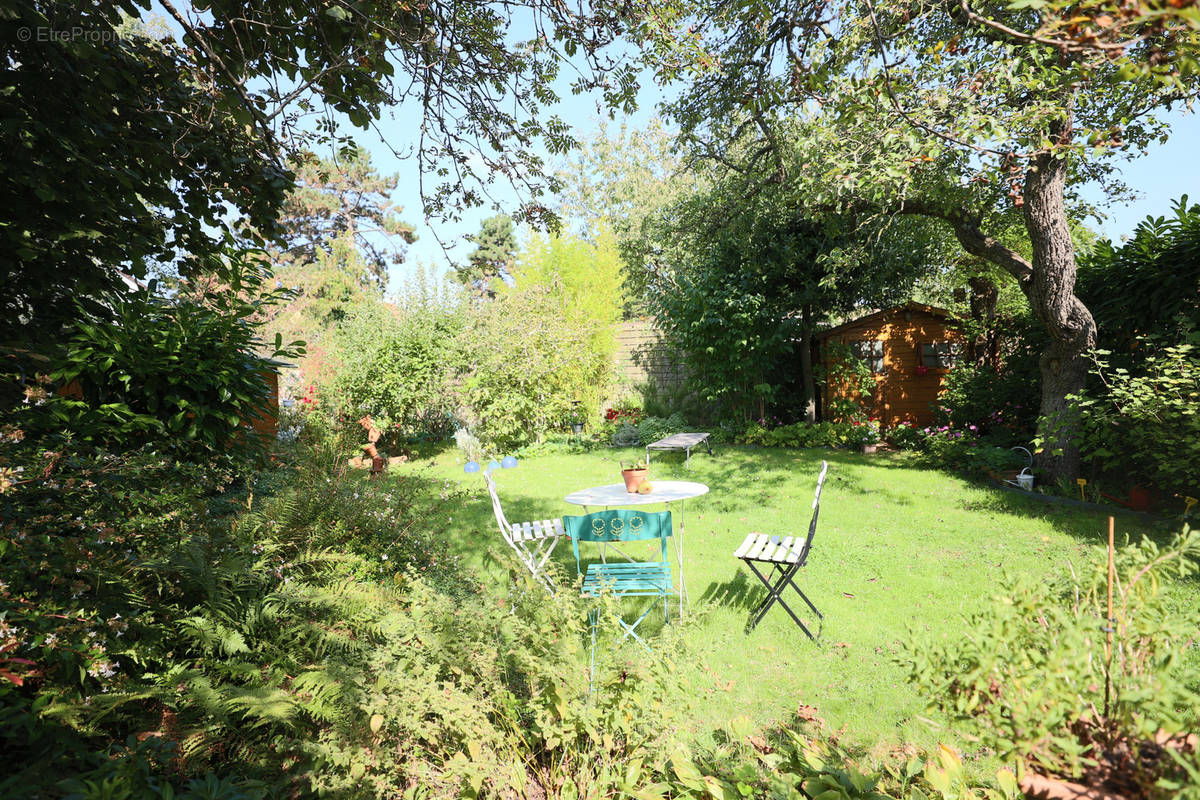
<point x="1161" y="177"/>
<point x="1167" y="171"/>
<point x="582" y="112"/>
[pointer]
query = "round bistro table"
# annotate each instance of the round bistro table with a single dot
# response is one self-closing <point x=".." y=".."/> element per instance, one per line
<point x="666" y="492"/>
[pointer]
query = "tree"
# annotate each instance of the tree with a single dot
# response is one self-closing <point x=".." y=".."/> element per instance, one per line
<point x="134" y="162"/>
<point x="490" y="264"/>
<point x="526" y="364"/>
<point x="171" y="149"/>
<point x="742" y="284"/>
<point x="344" y="199"/>
<point x="584" y="273"/>
<point x="622" y="183"/>
<point x="339" y="236"/>
<point x="958" y="112"/>
<point x="582" y="279"/>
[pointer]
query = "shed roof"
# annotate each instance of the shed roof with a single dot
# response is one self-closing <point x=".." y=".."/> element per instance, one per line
<point x="910" y="306"/>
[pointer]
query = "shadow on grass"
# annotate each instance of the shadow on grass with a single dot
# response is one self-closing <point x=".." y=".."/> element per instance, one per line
<point x="741" y="593"/>
<point x="736" y="593"/>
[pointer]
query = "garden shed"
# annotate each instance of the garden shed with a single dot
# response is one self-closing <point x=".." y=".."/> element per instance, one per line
<point x="908" y="348"/>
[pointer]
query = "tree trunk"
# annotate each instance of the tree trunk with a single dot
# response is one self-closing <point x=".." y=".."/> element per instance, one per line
<point x="1050" y="289"/>
<point x="1048" y="282"/>
<point x="807" y="383"/>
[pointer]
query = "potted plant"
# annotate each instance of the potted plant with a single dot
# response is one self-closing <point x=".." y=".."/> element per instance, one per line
<point x="635" y="474"/>
<point x="575" y="418"/>
<point x="869" y="437"/>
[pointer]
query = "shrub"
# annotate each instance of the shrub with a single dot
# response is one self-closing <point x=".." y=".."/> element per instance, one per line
<point x="624" y="413"/>
<point x="1146" y="426"/>
<point x="627" y="436"/>
<point x="905" y="436"/>
<point x="312" y="636"/>
<point x="819" y="434"/>
<point x="1147" y="286"/>
<point x="526" y="367"/>
<point x="651" y="429"/>
<point x="183" y="373"/>
<point x="400" y="366"/>
<point x="1000" y="404"/>
<point x="947" y="448"/>
<point x="1034" y="679"/>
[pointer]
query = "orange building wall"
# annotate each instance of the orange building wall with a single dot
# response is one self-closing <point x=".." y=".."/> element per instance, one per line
<point x="269" y="424"/>
<point x="900" y="394"/>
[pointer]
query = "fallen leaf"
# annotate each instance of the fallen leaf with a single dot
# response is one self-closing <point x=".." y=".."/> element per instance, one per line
<point x="760" y="744"/>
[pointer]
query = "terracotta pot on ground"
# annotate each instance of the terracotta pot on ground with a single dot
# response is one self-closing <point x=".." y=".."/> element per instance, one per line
<point x="634" y="479"/>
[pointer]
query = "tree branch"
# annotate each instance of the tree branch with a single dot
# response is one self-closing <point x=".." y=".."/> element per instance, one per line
<point x="268" y="135"/>
<point x="904" y="115"/>
<point x="1063" y="45"/>
<point x="967" y="230"/>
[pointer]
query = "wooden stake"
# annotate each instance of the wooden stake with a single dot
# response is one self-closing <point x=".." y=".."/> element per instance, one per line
<point x="1110" y="624"/>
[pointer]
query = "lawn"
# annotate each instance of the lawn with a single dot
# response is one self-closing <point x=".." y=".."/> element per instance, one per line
<point x="898" y="548"/>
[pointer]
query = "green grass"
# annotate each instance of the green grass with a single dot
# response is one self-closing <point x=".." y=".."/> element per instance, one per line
<point x="897" y="548"/>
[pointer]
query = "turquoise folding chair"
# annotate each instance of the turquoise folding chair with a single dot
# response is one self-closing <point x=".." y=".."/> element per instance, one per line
<point x="625" y="578"/>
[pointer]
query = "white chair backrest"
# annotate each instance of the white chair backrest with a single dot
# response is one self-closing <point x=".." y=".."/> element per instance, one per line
<point x="501" y="520"/>
<point x="816" y="507"/>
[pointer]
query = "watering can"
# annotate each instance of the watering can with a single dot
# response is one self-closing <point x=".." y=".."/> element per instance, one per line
<point x="1025" y="480"/>
<point x="1024" y="477"/>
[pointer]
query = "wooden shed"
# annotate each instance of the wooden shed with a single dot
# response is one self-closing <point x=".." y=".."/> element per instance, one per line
<point x="909" y="349"/>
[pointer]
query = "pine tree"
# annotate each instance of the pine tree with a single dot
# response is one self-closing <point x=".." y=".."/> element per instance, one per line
<point x="493" y="257"/>
<point x="345" y="200"/>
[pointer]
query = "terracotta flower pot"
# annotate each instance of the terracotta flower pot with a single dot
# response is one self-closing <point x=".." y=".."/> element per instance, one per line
<point x="634" y="479"/>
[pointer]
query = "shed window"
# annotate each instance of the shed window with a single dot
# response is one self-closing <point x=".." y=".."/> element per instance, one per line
<point x="940" y="355"/>
<point x="871" y="351"/>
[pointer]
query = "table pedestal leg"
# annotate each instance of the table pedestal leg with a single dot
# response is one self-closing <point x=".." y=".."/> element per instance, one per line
<point x="679" y="556"/>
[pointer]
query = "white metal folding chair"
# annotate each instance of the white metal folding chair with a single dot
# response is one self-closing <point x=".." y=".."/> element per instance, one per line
<point x="785" y="556"/>
<point x="531" y="541"/>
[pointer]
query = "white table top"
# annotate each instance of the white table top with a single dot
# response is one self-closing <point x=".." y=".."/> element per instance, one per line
<point x="614" y="494"/>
